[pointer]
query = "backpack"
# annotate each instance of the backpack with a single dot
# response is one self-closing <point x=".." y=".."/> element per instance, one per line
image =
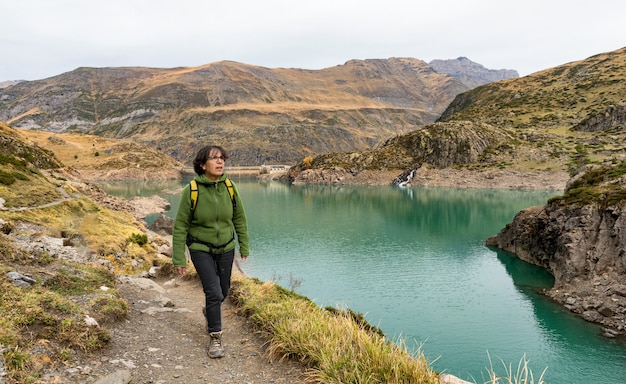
<point x="194" y="195"/>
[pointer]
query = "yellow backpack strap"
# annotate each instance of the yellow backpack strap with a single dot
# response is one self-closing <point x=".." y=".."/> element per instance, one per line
<point x="194" y="198"/>
<point x="231" y="192"/>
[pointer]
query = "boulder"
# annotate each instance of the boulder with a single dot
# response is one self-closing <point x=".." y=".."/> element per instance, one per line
<point x="163" y="225"/>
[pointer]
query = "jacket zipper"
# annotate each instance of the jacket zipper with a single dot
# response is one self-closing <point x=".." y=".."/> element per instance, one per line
<point x="217" y="213"/>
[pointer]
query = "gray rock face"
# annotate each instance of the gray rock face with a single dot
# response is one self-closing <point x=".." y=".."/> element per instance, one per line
<point x="470" y="73"/>
<point x="612" y="117"/>
<point x="584" y="247"/>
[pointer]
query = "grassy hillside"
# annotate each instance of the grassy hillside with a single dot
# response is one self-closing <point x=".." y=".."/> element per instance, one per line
<point x="43" y="206"/>
<point x="576" y="109"/>
<point x="21" y="179"/>
<point x="98" y="157"/>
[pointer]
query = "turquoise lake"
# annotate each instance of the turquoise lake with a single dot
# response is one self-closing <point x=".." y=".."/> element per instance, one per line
<point x="413" y="261"/>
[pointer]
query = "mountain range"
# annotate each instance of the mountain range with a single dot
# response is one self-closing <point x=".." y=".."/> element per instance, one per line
<point x="260" y="115"/>
<point x="395" y="113"/>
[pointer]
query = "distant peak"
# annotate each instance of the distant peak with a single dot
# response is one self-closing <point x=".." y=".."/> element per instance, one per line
<point x="470" y="73"/>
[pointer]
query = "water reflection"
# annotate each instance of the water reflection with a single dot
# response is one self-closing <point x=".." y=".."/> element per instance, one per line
<point x="570" y="337"/>
<point x="140" y="187"/>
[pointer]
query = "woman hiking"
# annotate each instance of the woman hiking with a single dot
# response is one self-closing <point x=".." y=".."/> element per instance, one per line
<point x="210" y="221"/>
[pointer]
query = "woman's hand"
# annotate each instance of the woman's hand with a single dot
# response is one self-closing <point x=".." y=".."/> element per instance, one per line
<point x="244" y="257"/>
<point x="180" y="270"/>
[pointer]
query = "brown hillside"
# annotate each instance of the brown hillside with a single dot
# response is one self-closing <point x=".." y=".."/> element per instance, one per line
<point x="99" y="158"/>
<point x="261" y="115"/>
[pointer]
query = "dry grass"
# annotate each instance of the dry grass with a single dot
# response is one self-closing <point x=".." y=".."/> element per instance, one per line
<point x="99" y="153"/>
<point x="43" y="326"/>
<point x="50" y="314"/>
<point x="334" y="347"/>
<point x="521" y="375"/>
<point x="31" y="191"/>
<point x="104" y="231"/>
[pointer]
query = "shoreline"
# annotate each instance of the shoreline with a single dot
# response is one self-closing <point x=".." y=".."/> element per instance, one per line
<point x="423" y="177"/>
<point x="446" y="177"/>
<point x="491" y="179"/>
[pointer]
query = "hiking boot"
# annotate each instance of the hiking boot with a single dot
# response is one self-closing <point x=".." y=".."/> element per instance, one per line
<point x="215" y="345"/>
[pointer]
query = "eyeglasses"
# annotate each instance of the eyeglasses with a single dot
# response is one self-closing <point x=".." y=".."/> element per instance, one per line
<point x="216" y="157"/>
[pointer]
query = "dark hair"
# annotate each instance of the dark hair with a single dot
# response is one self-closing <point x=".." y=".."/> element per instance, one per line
<point x="203" y="155"/>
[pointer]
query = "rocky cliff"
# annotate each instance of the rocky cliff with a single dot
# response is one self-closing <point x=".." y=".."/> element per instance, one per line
<point x="580" y="238"/>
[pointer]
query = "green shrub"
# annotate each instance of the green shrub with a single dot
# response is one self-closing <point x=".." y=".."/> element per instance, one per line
<point x="10" y="159"/>
<point x="6" y="178"/>
<point x="19" y="176"/>
<point x="138" y="238"/>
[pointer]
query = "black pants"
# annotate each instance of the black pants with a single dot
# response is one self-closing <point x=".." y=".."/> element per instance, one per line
<point x="214" y="272"/>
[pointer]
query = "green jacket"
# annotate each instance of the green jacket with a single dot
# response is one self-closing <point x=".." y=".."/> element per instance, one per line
<point x="214" y="221"/>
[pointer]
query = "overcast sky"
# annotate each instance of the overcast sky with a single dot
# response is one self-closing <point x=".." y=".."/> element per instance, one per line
<point x="44" y="38"/>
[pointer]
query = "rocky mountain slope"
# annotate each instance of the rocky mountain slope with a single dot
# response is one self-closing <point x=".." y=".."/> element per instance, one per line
<point x="4" y="84"/>
<point x="563" y="96"/>
<point x="576" y="107"/>
<point x="261" y="115"/>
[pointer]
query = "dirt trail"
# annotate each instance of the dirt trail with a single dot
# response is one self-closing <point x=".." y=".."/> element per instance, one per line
<point x="164" y="341"/>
